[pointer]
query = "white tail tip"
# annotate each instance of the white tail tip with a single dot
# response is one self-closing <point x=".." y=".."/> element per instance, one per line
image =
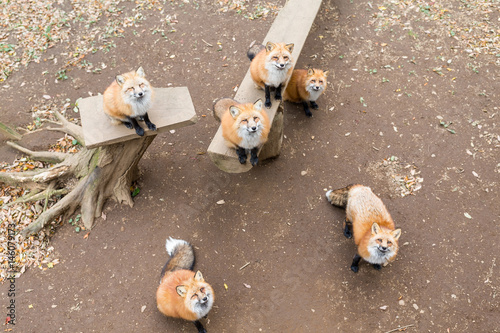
<point x="172" y="244"/>
<point x="328" y="195"/>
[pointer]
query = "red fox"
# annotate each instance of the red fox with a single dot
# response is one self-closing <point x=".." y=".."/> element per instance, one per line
<point x="129" y="98"/>
<point x="373" y="227"/>
<point x="182" y="292"/>
<point x="306" y="86"/>
<point x="271" y="66"/>
<point x="245" y="127"/>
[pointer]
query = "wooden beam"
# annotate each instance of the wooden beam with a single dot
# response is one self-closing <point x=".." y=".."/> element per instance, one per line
<point x="172" y="108"/>
<point x="292" y="25"/>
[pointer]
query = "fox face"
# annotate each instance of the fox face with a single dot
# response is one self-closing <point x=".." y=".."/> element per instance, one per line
<point x="316" y="83"/>
<point x="135" y="90"/>
<point x="279" y="56"/>
<point x="198" y="295"/>
<point x="248" y="123"/>
<point x="383" y="244"/>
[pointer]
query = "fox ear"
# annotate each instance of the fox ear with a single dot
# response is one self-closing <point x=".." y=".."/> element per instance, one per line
<point x="235" y="111"/>
<point x="325" y="73"/>
<point x="198" y="277"/>
<point x="310" y="71"/>
<point x="258" y="105"/>
<point x="396" y="233"/>
<point x="140" y="72"/>
<point x="375" y="228"/>
<point x="270" y="46"/>
<point x="120" y="79"/>
<point x="181" y="290"/>
<point x="289" y="47"/>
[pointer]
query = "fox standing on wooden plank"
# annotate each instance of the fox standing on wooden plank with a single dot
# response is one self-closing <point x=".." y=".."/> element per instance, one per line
<point x="271" y="66"/>
<point x="306" y="86"/>
<point x="245" y="127"/>
<point x="182" y="292"/>
<point x="129" y="98"/>
<point x="367" y="217"/>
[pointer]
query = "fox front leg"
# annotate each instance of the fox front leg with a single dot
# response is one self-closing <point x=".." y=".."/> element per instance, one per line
<point x="355" y="263"/>
<point x="347" y="228"/>
<point x="306" y="109"/>
<point x="278" y="92"/>
<point x="267" y="91"/>
<point x="254" y="159"/>
<point x="199" y="326"/>
<point x="314" y="105"/>
<point x="138" y="129"/>
<point x="242" y="155"/>
<point x="148" y="122"/>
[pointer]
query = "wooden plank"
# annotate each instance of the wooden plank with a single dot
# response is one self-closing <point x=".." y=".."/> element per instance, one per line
<point x="172" y="108"/>
<point x="292" y="25"/>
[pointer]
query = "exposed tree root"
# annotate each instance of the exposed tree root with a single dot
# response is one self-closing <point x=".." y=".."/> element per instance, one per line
<point x="100" y="173"/>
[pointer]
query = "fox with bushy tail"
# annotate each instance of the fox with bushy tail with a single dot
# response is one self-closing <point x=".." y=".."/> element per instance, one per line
<point x="182" y="292"/>
<point x="368" y="220"/>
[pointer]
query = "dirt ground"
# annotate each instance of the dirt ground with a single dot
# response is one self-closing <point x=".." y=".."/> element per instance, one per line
<point x="396" y="85"/>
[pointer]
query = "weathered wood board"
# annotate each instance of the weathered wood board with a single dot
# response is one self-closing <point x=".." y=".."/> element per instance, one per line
<point x="172" y="108"/>
<point x="292" y="25"/>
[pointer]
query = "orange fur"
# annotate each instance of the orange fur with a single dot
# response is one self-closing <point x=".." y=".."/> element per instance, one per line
<point x="243" y="116"/>
<point x="119" y="101"/>
<point x="296" y="90"/>
<point x="170" y="303"/>
<point x="278" y="53"/>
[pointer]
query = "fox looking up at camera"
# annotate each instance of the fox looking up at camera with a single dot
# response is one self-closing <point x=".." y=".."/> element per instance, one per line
<point x="182" y="292"/>
<point x="306" y="86"/>
<point x="245" y="127"/>
<point x="128" y="99"/>
<point x="271" y="67"/>
<point x="368" y="219"/>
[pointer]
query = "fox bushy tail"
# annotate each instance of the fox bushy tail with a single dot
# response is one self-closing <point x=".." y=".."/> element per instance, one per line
<point x="181" y="256"/>
<point x="339" y="197"/>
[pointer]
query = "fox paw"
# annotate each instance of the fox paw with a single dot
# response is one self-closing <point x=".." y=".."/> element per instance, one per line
<point x="314" y="105"/>
<point x="308" y="113"/>
<point x="139" y="131"/>
<point x="355" y="269"/>
<point x="128" y="125"/>
<point x="254" y="161"/>
<point x="242" y="159"/>
<point x="151" y="126"/>
<point x="377" y="267"/>
<point x="268" y="103"/>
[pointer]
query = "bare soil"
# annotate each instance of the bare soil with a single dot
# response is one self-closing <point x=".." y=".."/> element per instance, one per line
<point x="276" y="217"/>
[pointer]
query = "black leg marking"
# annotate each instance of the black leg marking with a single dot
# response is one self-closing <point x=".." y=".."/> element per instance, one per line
<point x="242" y="155"/>
<point x="314" y="105"/>
<point x="278" y="93"/>
<point x="348" y="229"/>
<point x="267" y="91"/>
<point x="148" y="122"/>
<point x="128" y="124"/>
<point x="377" y="266"/>
<point x="306" y="109"/>
<point x="253" y="156"/>
<point x="138" y="129"/>
<point x="355" y="263"/>
<point x="199" y="326"/>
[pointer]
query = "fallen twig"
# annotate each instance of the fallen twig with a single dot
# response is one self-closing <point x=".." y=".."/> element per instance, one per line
<point x="400" y="328"/>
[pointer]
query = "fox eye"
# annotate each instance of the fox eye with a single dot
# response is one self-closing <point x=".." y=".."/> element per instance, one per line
<point x="202" y="290"/>
<point x="244" y="121"/>
<point x="275" y="58"/>
<point x="313" y="81"/>
<point x="130" y="89"/>
<point x="321" y="81"/>
<point x="285" y="57"/>
<point x="142" y="85"/>
<point x="389" y="243"/>
<point x="255" y="118"/>
<point x="379" y="240"/>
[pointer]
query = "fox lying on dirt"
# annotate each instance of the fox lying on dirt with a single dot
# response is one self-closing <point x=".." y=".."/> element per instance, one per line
<point x="182" y="292"/>
<point x="370" y="222"/>
<point x="271" y="66"/>
<point x="129" y="98"/>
